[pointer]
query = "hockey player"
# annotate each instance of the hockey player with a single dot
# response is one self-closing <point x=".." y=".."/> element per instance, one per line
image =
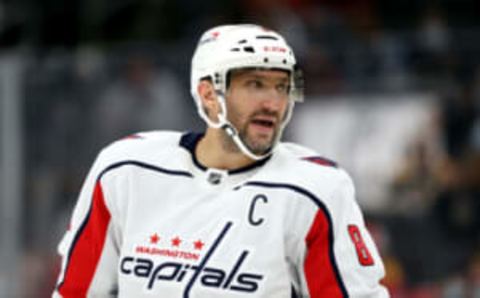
<point x="231" y="212"/>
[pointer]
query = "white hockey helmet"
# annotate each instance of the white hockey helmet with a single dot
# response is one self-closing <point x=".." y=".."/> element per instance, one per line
<point x="230" y="47"/>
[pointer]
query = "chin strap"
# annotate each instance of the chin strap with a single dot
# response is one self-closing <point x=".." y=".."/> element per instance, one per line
<point x="229" y="129"/>
<point x="232" y="132"/>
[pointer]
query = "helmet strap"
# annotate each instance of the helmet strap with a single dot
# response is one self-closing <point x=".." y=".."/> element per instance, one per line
<point x="227" y="126"/>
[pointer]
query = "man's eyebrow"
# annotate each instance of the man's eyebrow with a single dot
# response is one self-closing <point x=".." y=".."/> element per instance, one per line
<point x="264" y="76"/>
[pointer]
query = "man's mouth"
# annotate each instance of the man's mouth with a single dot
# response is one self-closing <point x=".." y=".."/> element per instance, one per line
<point x="264" y="123"/>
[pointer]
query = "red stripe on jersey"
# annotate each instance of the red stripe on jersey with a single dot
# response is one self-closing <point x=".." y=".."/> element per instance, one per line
<point x="320" y="271"/>
<point x="321" y="161"/>
<point x="87" y="249"/>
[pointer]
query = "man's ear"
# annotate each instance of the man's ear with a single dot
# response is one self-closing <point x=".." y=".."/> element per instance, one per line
<point x="208" y="96"/>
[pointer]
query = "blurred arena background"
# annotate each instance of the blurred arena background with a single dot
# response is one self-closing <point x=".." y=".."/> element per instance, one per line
<point x="393" y="95"/>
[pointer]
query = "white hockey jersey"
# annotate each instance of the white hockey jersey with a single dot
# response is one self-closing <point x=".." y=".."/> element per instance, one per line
<point x="151" y="221"/>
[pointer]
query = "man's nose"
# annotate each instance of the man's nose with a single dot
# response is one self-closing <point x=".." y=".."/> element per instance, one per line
<point x="272" y="100"/>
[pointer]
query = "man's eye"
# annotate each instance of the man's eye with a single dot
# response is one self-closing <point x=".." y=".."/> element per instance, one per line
<point x="255" y="84"/>
<point x="283" y="88"/>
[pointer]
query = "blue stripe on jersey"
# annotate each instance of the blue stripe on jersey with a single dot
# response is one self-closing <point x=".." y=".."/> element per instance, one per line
<point x="294" y="293"/>
<point x="145" y="166"/>
<point x="320" y="205"/>
<point x="203" y="263"/>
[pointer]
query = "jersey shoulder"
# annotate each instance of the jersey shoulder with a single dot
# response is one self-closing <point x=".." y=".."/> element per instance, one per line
<point x="304" y="154"/>
<point x="302" y="166"/>
<point x="141" y="146"/>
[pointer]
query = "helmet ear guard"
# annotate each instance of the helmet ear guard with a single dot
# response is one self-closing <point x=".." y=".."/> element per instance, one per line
<point x="298" y="85"/>
<point x="227" y="48"/>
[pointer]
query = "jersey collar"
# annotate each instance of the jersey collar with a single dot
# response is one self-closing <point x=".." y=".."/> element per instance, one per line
<point x="190" y="140"/>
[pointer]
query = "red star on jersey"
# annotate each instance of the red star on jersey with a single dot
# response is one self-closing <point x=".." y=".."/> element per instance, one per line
<point x="198" y="244"/>
<point x="154" y="238"/>
<point x="176" y="241"/>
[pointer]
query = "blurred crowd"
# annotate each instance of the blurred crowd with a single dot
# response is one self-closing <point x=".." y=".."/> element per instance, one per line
<point x="125" y="69"/>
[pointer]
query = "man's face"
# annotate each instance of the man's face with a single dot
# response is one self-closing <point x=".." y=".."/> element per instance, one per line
<point x="257" y="101"/>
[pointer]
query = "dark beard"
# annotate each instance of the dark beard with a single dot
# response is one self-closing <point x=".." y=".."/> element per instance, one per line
<point x="259" y="150"/>
<point x="230" y="146"/>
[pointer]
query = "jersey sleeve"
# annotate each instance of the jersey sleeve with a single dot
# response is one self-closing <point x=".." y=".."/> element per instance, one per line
<point x="89" y="248"/>
<point x="340" y="257"/>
